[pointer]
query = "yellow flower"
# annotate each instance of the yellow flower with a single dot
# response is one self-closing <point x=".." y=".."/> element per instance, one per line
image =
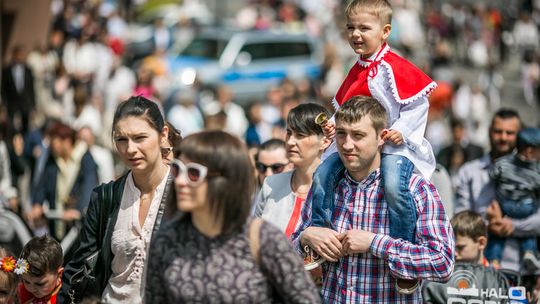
<point x="8" y="264"/>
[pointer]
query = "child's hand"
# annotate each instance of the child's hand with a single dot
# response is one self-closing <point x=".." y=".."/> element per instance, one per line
<point x="329" y="130"/>
<point x="493" y="211"/>
<point x="394" y="137"/>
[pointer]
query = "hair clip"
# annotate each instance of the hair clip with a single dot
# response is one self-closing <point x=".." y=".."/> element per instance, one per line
<point x="21" y="267"/>
<point x="9" y="264"/>
<point x="321" y="119"/>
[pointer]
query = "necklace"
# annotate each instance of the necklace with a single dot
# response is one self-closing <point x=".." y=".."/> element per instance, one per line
<point x="145" y="198"/>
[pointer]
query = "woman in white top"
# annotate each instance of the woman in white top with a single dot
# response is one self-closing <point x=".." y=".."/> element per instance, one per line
<point x="282" y="195"/>
<point x="132" y="215"/>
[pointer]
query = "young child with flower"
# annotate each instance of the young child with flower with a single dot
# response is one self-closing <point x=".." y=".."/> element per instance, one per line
<point x="40" y="268"/>
<point x="8" y="278"/>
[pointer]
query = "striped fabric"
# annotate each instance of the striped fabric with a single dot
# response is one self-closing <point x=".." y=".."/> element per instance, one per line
<point x="370" y="277"/>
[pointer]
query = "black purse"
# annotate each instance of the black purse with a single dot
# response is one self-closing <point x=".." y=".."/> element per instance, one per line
<point x="84" y="282"/>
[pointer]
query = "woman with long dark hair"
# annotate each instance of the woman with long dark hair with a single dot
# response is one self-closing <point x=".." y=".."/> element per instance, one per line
<point x="120" y="223"/>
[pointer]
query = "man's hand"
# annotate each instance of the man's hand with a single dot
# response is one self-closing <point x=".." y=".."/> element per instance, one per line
<point x="394" y="137"/>
<point x="35" y="214"/>
<point x="324" y="241"/>
<point x="329" y="130"/>
<point x="71" y="215"/>
<point x="502" y="227"/>
<point x="356" y="241"/>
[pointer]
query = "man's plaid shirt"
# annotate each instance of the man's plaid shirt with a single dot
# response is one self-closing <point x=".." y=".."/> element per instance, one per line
<point x="369" y="277"/>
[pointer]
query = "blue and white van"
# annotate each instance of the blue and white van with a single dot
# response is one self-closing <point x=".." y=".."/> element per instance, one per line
<point x="248" y="62"/>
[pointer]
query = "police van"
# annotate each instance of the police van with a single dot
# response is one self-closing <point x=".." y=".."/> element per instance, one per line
<point x="249" y="62"/>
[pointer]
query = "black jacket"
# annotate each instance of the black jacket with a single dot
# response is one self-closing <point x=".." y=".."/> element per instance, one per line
<point x="88" y="239"/>
<point x="24" y="100"/>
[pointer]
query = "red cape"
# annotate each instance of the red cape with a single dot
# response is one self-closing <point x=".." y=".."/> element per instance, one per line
<point x="406" y="80"/>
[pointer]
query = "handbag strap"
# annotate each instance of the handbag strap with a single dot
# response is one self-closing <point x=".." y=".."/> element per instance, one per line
<point x="163" y="204"/>
<point x="254" y="238"/>
<point x="107" y="195"/>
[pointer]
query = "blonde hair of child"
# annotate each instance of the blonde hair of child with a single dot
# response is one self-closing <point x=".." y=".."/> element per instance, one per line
<point x="379" y="8"/>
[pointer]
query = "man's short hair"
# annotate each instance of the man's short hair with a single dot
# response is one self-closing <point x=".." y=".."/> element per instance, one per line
<point x="270" y="145"/>
<point x="469" y="224"/>
<point x="43" y="254"/>
<point x="379" y="8"/>
<point x="506" y="113"/>
<point x="359" y="106"/>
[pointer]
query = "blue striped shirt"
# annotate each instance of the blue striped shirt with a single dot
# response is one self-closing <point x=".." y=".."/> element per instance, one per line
<point x="370" y="277"/>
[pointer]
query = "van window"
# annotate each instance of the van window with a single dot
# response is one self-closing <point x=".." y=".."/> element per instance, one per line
<point x="269" y="50"/>
<point x="205" y="47"/>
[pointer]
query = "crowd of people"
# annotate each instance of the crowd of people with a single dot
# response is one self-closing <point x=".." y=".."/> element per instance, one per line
<point x="386" y="181"/>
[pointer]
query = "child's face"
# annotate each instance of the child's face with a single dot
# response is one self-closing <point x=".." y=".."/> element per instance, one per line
<point x="43" y="285"/>
<point x="366" y="33"/>
<point x="468" y="250"/>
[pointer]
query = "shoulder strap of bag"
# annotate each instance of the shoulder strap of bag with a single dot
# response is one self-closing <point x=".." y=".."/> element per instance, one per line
<point x="109" y="191"/>
<point x="107" y="194"/>
<point x="254" y="238"/>
<point x="162" y="204"/>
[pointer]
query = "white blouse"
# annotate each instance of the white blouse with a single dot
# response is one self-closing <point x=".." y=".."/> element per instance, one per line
<point x="130" y="245"/>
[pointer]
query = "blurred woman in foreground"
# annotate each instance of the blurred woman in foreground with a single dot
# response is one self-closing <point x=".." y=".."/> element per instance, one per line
<point x="212" y="253"/>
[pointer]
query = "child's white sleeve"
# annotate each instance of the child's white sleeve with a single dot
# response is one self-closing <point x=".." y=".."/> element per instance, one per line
<point x="412" y="120"/>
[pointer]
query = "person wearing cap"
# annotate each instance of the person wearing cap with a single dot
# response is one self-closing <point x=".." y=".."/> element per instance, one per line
<point x="516" y="178"/>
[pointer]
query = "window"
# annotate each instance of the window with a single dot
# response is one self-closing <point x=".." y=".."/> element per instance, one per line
<point x="269" y="50"/>
<point x="204" y="47"/>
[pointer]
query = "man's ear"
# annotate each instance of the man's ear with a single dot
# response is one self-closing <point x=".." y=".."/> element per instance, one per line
<point x="482" y="242"/>
<point x="381" y="136"/>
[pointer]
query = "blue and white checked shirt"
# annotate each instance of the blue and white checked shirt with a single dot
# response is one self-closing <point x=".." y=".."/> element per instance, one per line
<point x="369" y="277"/>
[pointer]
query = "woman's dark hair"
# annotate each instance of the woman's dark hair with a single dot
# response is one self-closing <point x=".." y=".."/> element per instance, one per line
<point x="230" y="174"/>
<point x="301" y="119"/>
<point x="43" y="254"/>
<point x="138" y="106"/>
<point x="174" y="138"/>
<point x="62" y="131"/>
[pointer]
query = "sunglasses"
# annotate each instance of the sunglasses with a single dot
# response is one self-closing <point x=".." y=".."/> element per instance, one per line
<point x="276" y="168"/>
<point x="194" y="173"/>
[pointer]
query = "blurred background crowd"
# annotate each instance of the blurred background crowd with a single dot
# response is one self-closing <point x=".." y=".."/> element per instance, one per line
<point x="239" y="66"/>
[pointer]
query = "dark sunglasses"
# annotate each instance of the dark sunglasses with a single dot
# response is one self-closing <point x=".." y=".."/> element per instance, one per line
<point x="276" y="168"/>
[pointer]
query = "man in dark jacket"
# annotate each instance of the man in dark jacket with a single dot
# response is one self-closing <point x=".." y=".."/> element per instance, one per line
<point x="459" y="151"/>
<point x="18" y="92"/>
